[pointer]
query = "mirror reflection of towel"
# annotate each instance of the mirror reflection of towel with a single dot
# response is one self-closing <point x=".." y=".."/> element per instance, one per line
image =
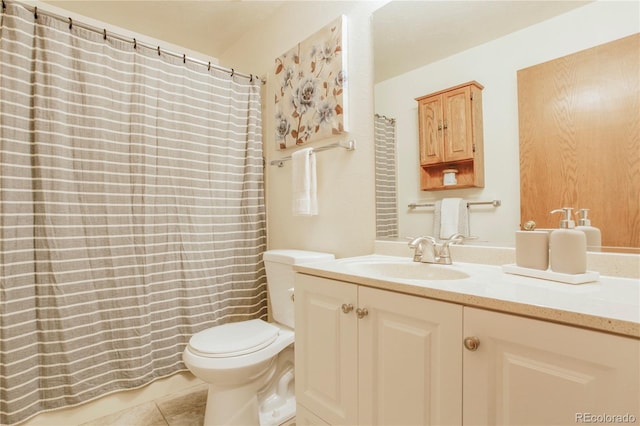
<point x="451" y="216"/>
<point x="303" y="172"/>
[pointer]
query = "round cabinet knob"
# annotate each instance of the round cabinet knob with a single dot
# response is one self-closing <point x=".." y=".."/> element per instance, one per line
<point x="362" y="313"/>
<point x="347" y="308"/>
<point x="471" y="343"/>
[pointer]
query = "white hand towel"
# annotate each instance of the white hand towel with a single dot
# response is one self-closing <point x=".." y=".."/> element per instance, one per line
<point x="303" y="171"/>
<point x="451" y="217"/>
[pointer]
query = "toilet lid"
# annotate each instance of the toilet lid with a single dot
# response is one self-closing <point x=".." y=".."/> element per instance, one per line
<point x="233" y="339"/>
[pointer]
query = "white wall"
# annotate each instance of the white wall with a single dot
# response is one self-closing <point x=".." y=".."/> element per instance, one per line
<point x="494" y="65"/>
<point x="345" y="224"/>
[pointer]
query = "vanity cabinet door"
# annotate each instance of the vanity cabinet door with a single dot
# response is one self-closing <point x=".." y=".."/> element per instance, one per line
<point x="326" y="355"/>
<point x="372" y="357"/>
<point x="410" y="356"/>
<point x="527" y="371"/>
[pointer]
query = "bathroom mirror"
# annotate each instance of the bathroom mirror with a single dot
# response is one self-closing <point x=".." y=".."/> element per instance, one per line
<point x="450" y="39"/>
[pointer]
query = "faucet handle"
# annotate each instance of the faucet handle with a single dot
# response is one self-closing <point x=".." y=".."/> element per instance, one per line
<point x="421" y="240"/>
<point x="458" y="238"/>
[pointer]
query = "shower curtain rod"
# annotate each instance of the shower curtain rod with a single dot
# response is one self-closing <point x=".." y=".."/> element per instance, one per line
<point x="134" y="41"/>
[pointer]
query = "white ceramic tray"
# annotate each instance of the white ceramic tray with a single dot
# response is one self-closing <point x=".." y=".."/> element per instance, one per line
<point x="587" y="277"/>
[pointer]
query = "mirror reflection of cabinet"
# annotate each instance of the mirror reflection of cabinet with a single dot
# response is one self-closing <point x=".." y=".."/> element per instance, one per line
<point x="450" y="134"/>
<point x="579" y="139"/>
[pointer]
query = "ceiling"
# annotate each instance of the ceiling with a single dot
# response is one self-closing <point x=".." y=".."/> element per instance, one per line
<point x="206" y="26"/>
<point x="407" y="34"/>
<point x="411" y="34"/>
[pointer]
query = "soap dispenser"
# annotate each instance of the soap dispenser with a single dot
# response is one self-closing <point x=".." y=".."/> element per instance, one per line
<point x="594" y="237"/>
<point x="567" y="246"/>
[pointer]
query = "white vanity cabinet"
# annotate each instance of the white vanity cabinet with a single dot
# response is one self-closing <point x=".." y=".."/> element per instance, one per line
<point x="367" y="356"/>
<point x="527" y="371"/>
<point x="375" y="357"/>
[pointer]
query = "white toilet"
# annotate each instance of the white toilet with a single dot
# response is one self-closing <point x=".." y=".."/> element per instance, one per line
<point x="249" y="365"/>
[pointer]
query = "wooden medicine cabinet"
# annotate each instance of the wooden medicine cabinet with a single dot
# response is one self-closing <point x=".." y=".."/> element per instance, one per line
<point x="450" y="135"/>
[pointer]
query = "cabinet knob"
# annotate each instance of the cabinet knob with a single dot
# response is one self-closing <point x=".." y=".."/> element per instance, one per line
<point x="362" y="313"/>
<point x="471" y="343"/>
<point x="347" y="308"/>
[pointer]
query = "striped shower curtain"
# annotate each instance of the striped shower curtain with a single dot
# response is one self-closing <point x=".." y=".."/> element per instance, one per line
<point x="131" y="211"/>
<point x="386" y="192"/>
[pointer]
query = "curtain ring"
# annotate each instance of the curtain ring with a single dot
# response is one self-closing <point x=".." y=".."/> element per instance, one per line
<point x="70" y="23"/>
<point x="135" y="43"/>
<point x="4" y="5"/>
<point x="104" y="34"/>
<point x="250" y="78"/>
<point x="184" y="58"/>
<point x="232" y="72"/>
<point x="209" y="67"/>
<point x="35" y="13"/>
<point x="158" y="50"/>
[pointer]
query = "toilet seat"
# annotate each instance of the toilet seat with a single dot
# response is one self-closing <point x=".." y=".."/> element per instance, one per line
<point x="233" y="339"/>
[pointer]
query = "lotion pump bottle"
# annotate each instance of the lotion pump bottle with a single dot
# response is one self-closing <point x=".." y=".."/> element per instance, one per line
<point x="567" y="246"/>
<point x="594" y="237"/>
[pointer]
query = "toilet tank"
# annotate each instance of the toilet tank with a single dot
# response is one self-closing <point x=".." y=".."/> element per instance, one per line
<point x="280" y="276"/>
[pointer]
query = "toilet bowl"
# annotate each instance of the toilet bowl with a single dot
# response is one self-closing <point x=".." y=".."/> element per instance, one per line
<point x="248" y="365"/>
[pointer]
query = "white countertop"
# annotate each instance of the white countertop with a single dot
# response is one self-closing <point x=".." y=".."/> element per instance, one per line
<point x="611" y="304"/>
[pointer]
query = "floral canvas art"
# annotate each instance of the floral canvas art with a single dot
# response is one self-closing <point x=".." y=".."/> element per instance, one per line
<point x="310" y="96"/>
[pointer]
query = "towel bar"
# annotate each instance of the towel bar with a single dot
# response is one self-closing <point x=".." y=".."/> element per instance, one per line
<point x="494" y="203"/>
<point x="348" y="145"/>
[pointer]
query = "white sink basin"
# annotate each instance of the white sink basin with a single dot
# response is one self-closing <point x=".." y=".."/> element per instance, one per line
<point x="406" y="270"/>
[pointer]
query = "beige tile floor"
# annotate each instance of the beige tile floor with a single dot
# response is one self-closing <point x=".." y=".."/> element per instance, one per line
<point x="183" y="409"/>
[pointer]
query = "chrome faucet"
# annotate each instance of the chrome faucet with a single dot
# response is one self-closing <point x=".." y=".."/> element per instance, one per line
<point x="427" y="250"/>
<point x="424" y="249"/>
